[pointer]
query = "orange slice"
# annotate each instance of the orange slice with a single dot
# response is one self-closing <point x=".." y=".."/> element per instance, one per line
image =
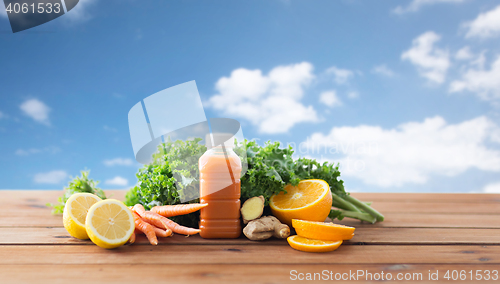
<point x="310" y="200"/>
<point x="322" y="231"/>
<point x="310" y="245"/>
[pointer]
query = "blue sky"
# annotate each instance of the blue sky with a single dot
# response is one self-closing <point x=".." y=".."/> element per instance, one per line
<point x="405" y="94"/>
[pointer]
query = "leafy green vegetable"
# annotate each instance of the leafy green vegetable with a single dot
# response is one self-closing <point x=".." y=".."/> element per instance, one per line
<point x="78" y="184"/>
<point x="156" y="182"/>
<point x="275" y="168"/>
<point x="270" y="168"/>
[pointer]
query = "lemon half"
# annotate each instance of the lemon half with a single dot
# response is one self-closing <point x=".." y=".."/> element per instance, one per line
<point x="75" y="212"/>
<point x="109" y="223"/>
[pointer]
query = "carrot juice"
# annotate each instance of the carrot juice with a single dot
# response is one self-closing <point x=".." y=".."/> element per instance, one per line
<point x="220" y="170"/>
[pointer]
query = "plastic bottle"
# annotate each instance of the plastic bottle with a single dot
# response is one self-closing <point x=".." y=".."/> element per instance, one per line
<point x="220" y="186"/>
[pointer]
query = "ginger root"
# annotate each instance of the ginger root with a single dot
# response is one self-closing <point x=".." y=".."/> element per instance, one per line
<point x="252" y="209"/>
<point x="266" y="227"/>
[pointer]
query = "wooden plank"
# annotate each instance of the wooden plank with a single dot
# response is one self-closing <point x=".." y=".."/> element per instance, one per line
<point x="428" y="236"/>
<point x="392" y="220"/>
<point x="247" y="254"/>
<point x="39" y="208"/>
<point x="425" y="207"/>
<point x="27" y="209"/>
<point x="402" y="220"/>
<point x="428" y="197"/>
<point x="368" y="236"/>
<point x="59" y="236"/>
<point x="27" y="219"/>
<point x="230" y="273"/>
<point x="41" y="197"/>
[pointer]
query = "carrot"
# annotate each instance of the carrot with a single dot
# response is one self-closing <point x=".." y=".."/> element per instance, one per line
<point x="153" y="219"/>
<point x="132" y="238"/>
<point x="146" y="228"/>
<point x="138" y="208"/>
<point x="163" y="222"/>
<point x="179" y="229"/>
<point x="162" y="233"/>
<point x="176" y="210"/>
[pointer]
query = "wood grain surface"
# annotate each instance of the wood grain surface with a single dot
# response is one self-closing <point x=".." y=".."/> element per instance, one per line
<point x="422" y="233"/>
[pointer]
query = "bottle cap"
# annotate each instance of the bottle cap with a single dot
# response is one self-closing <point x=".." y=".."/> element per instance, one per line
<point x="217" y="139"/>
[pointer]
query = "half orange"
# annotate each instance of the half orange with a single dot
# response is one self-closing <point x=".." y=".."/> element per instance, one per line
<point x="310" y="200"/>
<point x="322" y="231"/>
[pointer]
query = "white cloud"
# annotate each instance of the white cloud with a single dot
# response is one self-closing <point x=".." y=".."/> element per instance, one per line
<point x="492" y="188"/>
<point x="464" y="53"/>
<point x="22" y="152"/>
<point x="341" y="76"/>
<point x="415" y="5"/>
<point x="411" y="152"/>
<point x="479" y="61"/>
<point x="53" y="177"/>
<point x="485" y="83"/>
<point x="271" y="102"/>
<point x="118" y="162"/>
<point x="353" y="95"/>
<point x="431" y="62"/>
<point x="110" y="129"/>
<point x="117" y="181"/>
<point x="330" y="98"/>
<point x="486" y="25"/>
<point x="36" y="110"/>
<point x="31" y="151"/>
<point x="383" y="70"/>
<point x="2" y="115"/>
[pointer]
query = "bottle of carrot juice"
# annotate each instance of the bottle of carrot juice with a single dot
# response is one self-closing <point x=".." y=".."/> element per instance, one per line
<point x="220" y="170"/>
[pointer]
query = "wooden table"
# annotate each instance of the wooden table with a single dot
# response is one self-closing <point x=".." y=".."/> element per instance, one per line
<point x="422" y="233"/>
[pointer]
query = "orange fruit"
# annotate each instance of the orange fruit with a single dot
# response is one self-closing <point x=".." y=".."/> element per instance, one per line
<point x="310" y="245"/>
<point x="310" y="200"/>
<point x="322" y="231"/>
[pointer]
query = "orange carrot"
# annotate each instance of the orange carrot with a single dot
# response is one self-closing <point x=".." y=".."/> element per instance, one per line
<point x="162" y="233"/>
<point x="138" y="208"/>
<point x="146" y="228"/>
<point x="179" y="229"/>
<point x="163" y="222"/>
<point x="153" y="219"/>
<point x="132" y="238"/>
<point x="176" y="210"/>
